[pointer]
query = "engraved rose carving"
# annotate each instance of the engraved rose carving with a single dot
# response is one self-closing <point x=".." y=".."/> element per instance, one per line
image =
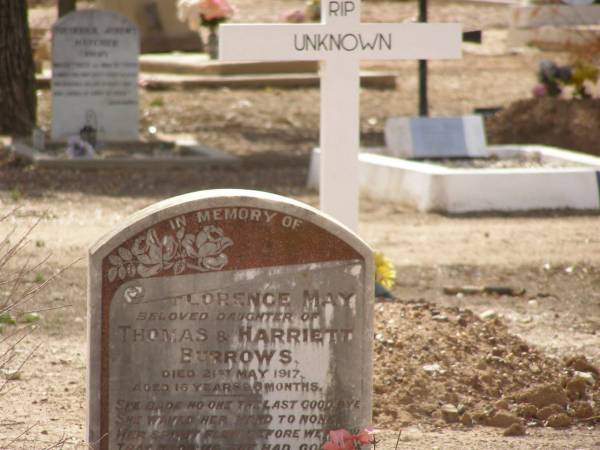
<point x="210" y="243"/>
<point x="150" y="255"/>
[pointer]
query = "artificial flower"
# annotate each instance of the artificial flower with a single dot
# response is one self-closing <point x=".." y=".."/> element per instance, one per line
<point x="295" y="16"/>
<point x="209" y="13"/>
<point x="385" y="272"/>
<point x="539" y="90"/>
<point x="339" y="440"/>
<point x="364" y="437"/>
<point x="215" y="10"/>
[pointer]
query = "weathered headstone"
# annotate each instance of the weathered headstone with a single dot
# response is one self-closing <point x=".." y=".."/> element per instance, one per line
<point x="341" y="41"/>
<point x="228" y="320"/>
<point x="95" y="76"/>
<point x="435" y="137"/>
<point x="160" y="29"/>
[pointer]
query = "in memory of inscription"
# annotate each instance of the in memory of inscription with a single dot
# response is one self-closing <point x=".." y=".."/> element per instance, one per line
<point x="341" y="42"/>
<point x="228" y="320"/>
<point x="95" y="76"/>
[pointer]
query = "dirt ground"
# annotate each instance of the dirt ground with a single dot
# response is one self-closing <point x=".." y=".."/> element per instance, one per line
<point x="432" y="347"/>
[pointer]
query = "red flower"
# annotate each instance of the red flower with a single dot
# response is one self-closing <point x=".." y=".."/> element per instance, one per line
<point x="364" y="437"/>
<point x="339" y="440"/>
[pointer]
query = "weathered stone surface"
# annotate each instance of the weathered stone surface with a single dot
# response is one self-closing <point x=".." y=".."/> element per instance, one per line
<point x="228" y="318"/>
<point x="95" y="75"/>
<point x="160" y="29"/>
<point x="435" y="137"/>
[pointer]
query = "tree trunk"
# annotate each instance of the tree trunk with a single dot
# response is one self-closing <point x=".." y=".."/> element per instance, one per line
<point x="65" y="7"/>
<point x="17" y="78"/>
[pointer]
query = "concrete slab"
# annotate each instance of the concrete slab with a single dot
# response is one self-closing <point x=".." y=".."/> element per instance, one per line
<point x="183" y="154"/>
<point x="166" y="81"/>
<point x="553" y="38"/>
<point x="375" y="80"/>
<point x="533" y="16"/>
<point x="200" y="64"/>
<point x="433" y="187"/>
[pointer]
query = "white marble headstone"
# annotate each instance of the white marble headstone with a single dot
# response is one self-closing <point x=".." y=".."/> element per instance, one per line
<point x="95" y="76"/>
<point x="228" y="320"/>
<point x="435" y="137"/>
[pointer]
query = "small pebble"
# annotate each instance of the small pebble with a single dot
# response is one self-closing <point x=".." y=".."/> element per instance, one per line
<point x="488" y="315"/>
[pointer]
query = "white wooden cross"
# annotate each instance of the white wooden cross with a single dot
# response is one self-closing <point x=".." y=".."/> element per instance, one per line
<point x="340" y="41"/>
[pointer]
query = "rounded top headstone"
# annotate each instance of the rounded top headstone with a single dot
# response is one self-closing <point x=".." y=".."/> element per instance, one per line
<point x="212" y="314"/>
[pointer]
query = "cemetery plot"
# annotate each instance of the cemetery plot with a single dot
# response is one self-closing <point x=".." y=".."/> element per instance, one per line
<point x="515" y="178"/>
<point x="95" y="102"/>
<point x="229" y="319"/>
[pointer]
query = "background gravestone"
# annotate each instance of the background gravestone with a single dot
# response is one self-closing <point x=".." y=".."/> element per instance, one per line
<point x="160" y="29"/>
<point x="229" y="319"/>
<point x="435" y="137"/>
<point x="95" y="75"/>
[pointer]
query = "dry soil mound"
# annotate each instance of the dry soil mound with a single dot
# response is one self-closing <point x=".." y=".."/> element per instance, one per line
<point x="437" y="366"/>
<point x="572" y="124"/>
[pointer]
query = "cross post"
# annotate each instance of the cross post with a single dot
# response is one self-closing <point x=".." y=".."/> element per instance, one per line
<point x="340" y="41"/>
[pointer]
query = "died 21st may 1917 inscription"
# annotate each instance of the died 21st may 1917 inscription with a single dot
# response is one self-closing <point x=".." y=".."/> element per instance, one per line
<point x="232" y="323"/>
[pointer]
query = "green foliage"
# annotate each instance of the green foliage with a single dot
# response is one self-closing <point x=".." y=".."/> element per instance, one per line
<point x="157" y="102"/>
<point x="7" y="319"/>
<point x="39" y="278"/>
<point x="16" y="194"/>
<point x="31" y="317"/>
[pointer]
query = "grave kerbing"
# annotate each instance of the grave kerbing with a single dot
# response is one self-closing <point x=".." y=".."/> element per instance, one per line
<point x="252" y="276"/>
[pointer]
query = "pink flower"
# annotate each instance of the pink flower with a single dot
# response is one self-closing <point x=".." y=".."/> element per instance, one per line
<point x="215" y="9"/>
<point x="295" y="16"/>
<point x="339" y="440"/>
<point x="364" y="437"/>
<point x="539" y="90"/>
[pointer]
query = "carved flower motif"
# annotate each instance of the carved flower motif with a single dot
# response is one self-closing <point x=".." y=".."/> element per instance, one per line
<point x="149" y="255"/>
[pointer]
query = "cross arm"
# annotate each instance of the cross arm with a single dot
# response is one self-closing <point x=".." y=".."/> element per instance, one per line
<point x="281" y="42"/>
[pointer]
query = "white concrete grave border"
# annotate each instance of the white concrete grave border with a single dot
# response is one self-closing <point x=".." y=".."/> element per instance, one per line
<point x="341" y="41"/>
<point x="432" y="187"/>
